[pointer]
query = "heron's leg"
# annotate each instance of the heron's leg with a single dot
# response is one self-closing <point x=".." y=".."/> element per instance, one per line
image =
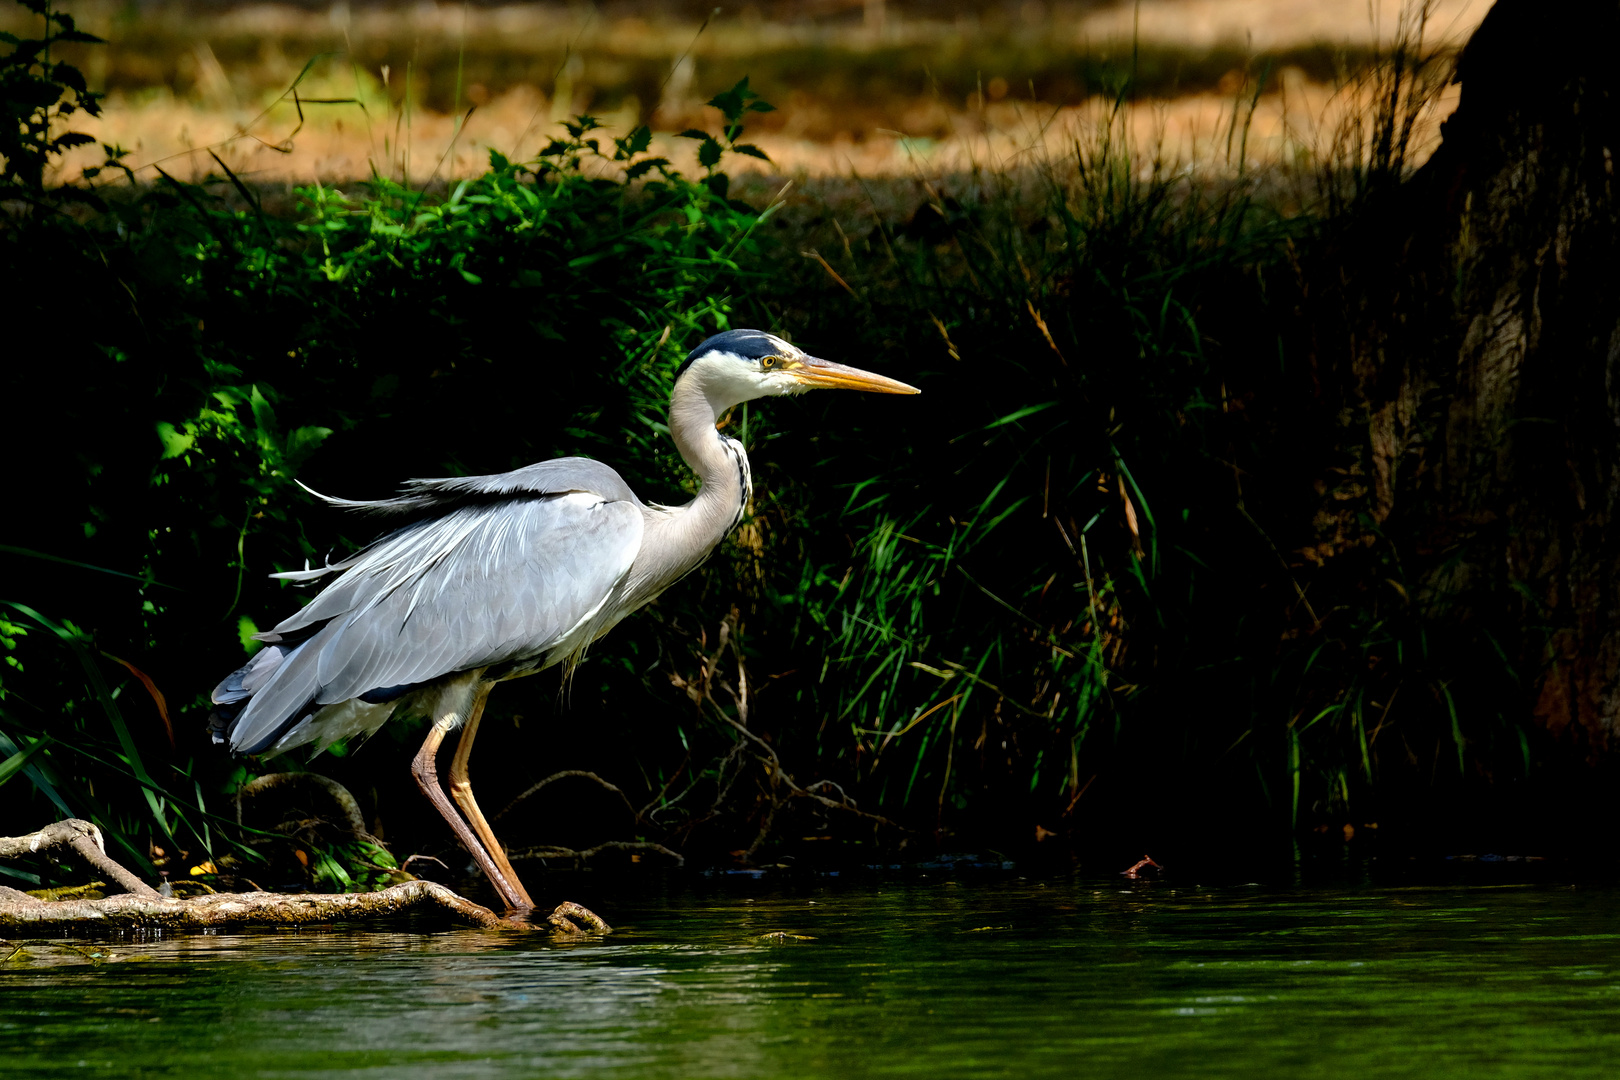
<point x="424" y="768"/>
<point x="461" y="791"/>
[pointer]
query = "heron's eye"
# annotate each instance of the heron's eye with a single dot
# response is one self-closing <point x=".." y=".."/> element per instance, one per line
<point x="768" y="362"/>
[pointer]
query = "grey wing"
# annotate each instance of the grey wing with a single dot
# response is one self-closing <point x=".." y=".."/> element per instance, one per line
<point x="480" y="585"/>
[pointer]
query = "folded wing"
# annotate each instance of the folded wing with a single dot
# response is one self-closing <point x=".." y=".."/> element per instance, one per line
<point x="491" y="570"/>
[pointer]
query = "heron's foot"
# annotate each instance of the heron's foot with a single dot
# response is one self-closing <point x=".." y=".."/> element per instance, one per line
<point x="576" y="921"/>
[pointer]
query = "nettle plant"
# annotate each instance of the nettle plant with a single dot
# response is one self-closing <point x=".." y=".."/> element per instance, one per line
<point x="37" y="96"/>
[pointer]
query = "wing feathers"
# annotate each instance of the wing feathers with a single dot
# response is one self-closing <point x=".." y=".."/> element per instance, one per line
<point x="478" y="585"/>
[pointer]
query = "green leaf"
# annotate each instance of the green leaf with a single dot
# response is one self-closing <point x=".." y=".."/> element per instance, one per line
<point x="32" y="554"/>
<point x="732" y="102"/>
<point x="709" y="153"/>
<point x="751" y="150"/>
<point x="175" y="442"/>
<point x="245" y="629"/>
<point x="304" y="441"/>
<point x="1014" y="417"/>
<point x="264" y="414"/>
<point x="634" y="143"/>
<point x="643" y="167"/>
<point x="12" y="765"/>
<point x="40" y="781"/>
<point x="69" y="76"/>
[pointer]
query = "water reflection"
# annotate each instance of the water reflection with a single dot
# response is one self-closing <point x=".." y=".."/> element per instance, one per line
<point x="1072" y="979"/>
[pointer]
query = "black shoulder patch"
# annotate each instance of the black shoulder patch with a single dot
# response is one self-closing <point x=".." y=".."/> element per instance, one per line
<point x="749" y="343"/>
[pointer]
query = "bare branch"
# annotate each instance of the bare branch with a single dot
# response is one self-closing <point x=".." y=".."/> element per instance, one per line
<point x="563" y="775"/>
<point x="334" y="792"/>
<point x="85" y="839"/>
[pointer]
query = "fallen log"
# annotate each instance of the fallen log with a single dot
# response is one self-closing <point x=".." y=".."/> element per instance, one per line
<point x="26" y="915"/>
<point x="21" y="913"/>
<point x="143" y="909"/>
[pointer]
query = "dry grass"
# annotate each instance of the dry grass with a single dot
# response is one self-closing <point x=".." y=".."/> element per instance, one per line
<point x="192" y="100"/>
<point x="1273" y="24"/>
<point x="337" y="143"/>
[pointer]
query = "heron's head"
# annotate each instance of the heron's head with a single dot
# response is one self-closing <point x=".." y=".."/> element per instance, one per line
<point x="742" y="365"/>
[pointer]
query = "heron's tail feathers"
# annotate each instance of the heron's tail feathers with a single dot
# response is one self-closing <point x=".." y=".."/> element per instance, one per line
<point x="246" y="724"/>
<point x="272" y="703"/>
<point x="278" y="690"/>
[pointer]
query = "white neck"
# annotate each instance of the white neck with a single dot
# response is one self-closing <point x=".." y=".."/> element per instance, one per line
<point x="689" y="533"/>
<point x="719" y="462"/>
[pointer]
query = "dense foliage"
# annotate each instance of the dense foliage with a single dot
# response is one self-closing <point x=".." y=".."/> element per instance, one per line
<point x="201" y="354"/>
<point x="1070" y="592"/>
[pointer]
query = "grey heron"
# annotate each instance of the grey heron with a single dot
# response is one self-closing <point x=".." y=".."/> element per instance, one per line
<point x="487" y="578"/>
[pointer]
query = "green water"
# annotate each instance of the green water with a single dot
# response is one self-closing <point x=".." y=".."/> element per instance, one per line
<point x="947" y="979"/>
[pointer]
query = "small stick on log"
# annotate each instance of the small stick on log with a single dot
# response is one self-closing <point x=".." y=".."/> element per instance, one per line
<point x="85" y="839"/>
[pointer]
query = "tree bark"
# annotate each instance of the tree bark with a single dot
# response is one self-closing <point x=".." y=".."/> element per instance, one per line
<point x="1481" y="387"/>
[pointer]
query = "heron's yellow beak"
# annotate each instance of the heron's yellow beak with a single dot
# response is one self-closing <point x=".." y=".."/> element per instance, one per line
<point x="819" y="374"/>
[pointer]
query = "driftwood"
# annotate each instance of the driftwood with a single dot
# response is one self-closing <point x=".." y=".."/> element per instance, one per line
<point x="142" y="908"/>
<point x="85" y="840"/>
<point x="128" y="912"/>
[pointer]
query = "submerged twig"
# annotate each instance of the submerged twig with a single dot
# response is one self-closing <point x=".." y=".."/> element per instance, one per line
<point x="554" y="852"/>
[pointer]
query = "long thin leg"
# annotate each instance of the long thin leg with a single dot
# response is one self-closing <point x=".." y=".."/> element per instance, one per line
<point x="424" y="768"/>
<point x="461" y="791"/>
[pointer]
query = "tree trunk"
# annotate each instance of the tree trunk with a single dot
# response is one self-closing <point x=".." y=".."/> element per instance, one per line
<point x="1482" y="409"/>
